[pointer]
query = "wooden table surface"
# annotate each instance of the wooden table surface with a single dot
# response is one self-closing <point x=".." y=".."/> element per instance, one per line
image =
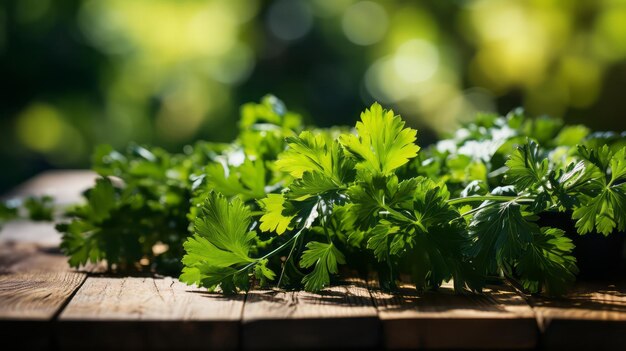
<point x="46" y="305"/>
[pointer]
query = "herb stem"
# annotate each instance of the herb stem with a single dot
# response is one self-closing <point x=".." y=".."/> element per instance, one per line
<point x="282" y="272"/>
<point x="499" y="198"/>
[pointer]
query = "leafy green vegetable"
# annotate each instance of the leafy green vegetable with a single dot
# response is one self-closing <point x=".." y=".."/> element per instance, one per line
<point x="325" y="258"/>
<point x="526" y="166"/>
<point x="219" y="246"/>
<point x="603" y="204"/>
<point x="547" y="263"/>
<point x="40" y="208"/>
<point x="286" y="205"/>
<point x="142" y="221"/>
<point x="8" y="211"/>
<point x="35" y="208"/>
<point x="273" y="218"/>
<point x="382" y="144"/>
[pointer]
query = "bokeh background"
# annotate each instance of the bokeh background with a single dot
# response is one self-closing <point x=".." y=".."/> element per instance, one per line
<point x="74" y="74"/>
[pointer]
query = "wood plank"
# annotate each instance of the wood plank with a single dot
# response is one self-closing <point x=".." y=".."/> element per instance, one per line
<point x="342" y="316"/>
<point x="35" y="279"/>
<point x="497" y="319"/>
<point x="593" y="316"/>
<point x="65" y="186"/>
<point x="36" y="295"/>
<point x="28" y="303"/>
<point x="149" y="313"/>
<point x="18" y="257"/>
<point x="35" y="283"/>
<point x="23" y="230"/>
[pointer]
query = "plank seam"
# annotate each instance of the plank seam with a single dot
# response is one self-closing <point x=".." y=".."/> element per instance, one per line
<point x="240" y="324"/>
<point x="539" y="319"/>
<point x="57" y="314"/>
<point x="381" y="340"/>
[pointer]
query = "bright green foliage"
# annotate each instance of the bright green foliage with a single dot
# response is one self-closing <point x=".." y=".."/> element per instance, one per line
<point x="500" y="234"/>
<point x="246" y="180"/>
<point x="312" y="184"/>
<point x="220" y="246"/>
<point x="264" y="126"/>
<point x="225" y="226"/>
<point x="369" y="198"/>
<point x="603" y="203"/>
<point x="379" y="239"/>
<point x="325" y="258"/>
<point x="547" y="264"/>
<point x="307" y="152"/>
<point x="286" y="206"/>
<point x="148" y="214"/>
<point x="273" y="218"/>
<point x="143" y="217"/>
<point x="571" y="135"/>
<point x="382" y="144"/>
<point x="527" y="166"/>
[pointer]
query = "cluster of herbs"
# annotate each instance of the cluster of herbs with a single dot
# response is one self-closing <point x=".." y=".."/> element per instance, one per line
<point x="35" y="208"/>
<point x="285" y="205"/>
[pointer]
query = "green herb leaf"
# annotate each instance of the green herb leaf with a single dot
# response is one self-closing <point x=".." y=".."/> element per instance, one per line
<point x="547" y="263"/>
<point x="527" y="167"/>
<point x="273" y="219"/>
<point x="603" y="201"/>
<point x="221" y="243"/>
<point x="382" y="144"/>
<point x="325" y="258"/>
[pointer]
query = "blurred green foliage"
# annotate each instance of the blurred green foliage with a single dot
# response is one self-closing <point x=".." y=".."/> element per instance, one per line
<point x="75" y="74"/>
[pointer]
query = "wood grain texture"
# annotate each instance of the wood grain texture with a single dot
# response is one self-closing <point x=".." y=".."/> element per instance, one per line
<point x="36" y="295"/>
<point x="593" y="316"/>
<point x="149" y="313"/>
<point x="18" y="257"/>
<point x="35" y="283"/>
<point x="45" y="304"/>
<point x="497" y="319"/>
<point x="340" y="317"/>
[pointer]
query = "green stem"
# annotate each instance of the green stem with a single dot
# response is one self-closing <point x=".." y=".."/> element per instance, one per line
<point x="271" y="253"/>
<point x="472" y="211"/>
<point x="282" y="272"/>
<point x="499" y="198"/>
<point x="396" y="214"/>
<point x="295" y="242"/>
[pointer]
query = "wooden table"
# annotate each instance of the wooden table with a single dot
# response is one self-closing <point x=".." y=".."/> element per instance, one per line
<point x="46" y="305"/>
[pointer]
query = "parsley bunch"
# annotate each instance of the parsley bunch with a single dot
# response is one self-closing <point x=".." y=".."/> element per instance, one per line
<point x="138" y="214"/>
<point x="287" y="206"/>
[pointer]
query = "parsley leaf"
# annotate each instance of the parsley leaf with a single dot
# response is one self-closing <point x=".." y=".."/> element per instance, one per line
<point x="499" y="233"/>
<point x="382" y="144"/>
<point x="547" y="263"/>
<point x="273" y="218"/>
<point x="527" y="167"/>
<point x="246" y="180"/>
<point x="221" y="243"/>
<point x="325" y="257"/>
<point x="603" y="202"/>
<point x="299" y="203"/>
